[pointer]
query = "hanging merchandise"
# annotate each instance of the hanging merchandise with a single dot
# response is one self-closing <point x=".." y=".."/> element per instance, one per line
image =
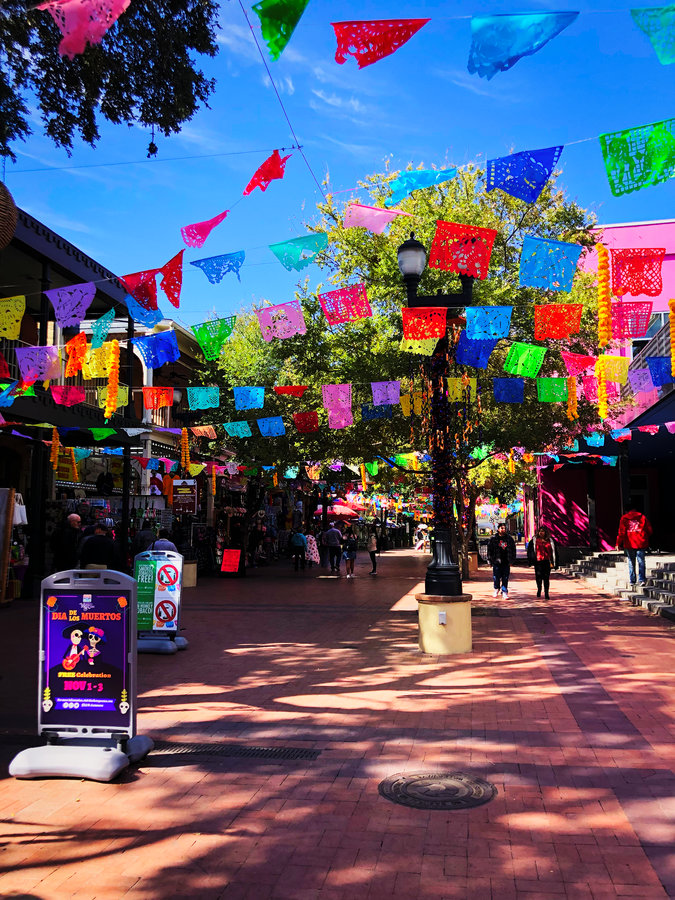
<point x="614" y="368"/>
<point x="498" y="42"/>
<point x="660" y="370"/>
<point x="549" y="265"/>
<point x="638" y="271"/>
<point x="71" y="303"/>
<point x="278" y="19"/>
<point x="475" y="353"/>
<point x="577" y="363"/>
<point x="157" y="349"/>
<point x="100" y="328"/>
<point x="122" y="400"/>
<point x="604" y="298"/>
<point x="238" y="429"/>
<point x="640" y="380"/>
<point x="552" y="390"/>
<point x="372" y="218"/>
<point x="157" y="397"/>
<point x="524" y="174"/>
<point x="416" y="180"/>
<point x="217" y="267"/>
<point x="273" y="167"/>
<point x="195" y="235"/>
<point x="465" y="249"/>
<point x="76" y="350"/>
<point x="147" y="317"/>
<point x="658" y="23"/>
<point x="413" y="401"/>
<point x="638" y="157"/>
<point x="557" y="321"/>
<point x="291" y="390"/>
<point x="461" y="389"/>
<point x="204" y="397"/>
<point x="630" y="319"/>
<point x="284" y="320"/>
<point x="299" y="252"/>
<point x="36" y="363"/>
<point x="211" y="335"/>
<point x="524" y="359"/>
<point x="306" y="422"/>
<point x="572" y="412"/>
<point x="249" y="397"/>
<point x="12" y="310"/>
<point x="345" y="305"/>
<point x="207" y="431"/>
<point x="272" y="426"/>
<point x="370" y="41"/>
<point x="68" y="395"/>
<point x="487" y="322"/>
<point x="386" y="392"/>
<point x="369" y="412"/>
<point x="113" y="378"/>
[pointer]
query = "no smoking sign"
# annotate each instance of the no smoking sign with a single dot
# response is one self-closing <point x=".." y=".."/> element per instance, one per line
<point x="165" y="611"/>
<point x="167" y="575"/>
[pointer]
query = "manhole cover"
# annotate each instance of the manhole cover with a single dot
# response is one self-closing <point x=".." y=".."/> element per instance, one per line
<point x="437" y="790"/>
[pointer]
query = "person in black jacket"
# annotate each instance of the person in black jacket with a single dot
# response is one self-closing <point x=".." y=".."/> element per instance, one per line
<point x="542" y="554"/>
<point x="501" y="552"/>
<point x="99" y="550"/>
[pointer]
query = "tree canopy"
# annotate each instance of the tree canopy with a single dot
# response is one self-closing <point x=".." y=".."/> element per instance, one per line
<point x="143" y="72"/>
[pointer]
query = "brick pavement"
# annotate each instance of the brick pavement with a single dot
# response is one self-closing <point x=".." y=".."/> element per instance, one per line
<point x="565" y="705"/>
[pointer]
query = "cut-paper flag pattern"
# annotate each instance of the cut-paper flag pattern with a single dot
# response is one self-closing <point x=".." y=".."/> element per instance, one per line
<point x="552" y="390"/>
<point x="306" y="422"/>
<point x="424" y="322"/>
<point x="203" y="397"/>
<point x="370" y="41"/>
<point x="637" y="271"/>
<point x="465" y="249"/>
<point x="38" y="363"/>
<point x="386" y="392"/>
<point x="474" y="353"/>
<point x="12" y="310"/>
<point x="459" y="390"/>
<point x="660" y="370"/>
<point x="217" y="267"/>
<point x="83" y="22"/>
<point x="640" y="380"/>
<point x="284" y="320"/>
<point x="411" y="403"/>
<point x="273" y="426"/>
<point x="122" y="397"/>
<point x="524" y="359"/>
<point x="100" y="328"/>
<point x="273" y="167"/>
<point x="373" y="218"/>
<point x="407" y="182"/>
<point x="298" y="253"/>
<point x="238" y="429"/>
<point x="576" y="363"/>
<point x="71" y="303"/>
<point x="195" y="235"/>
<point x="345" y="305"/>
<point x="147" y="317"/>
<point x="548" y="265"/>
<point x="157" y="397"/>
<point x="508" y="390"/>
<point x="658" y="23"/>
<point x="487" y="322"/>
<point x="278" y="19"/>
<point x="369" y="412"/>
<point x="638" y="157"/>
<point x="67" y="395"/>
<point x="630" y="319"/>
<point x="291" y="390"/>
<point x="557" y="321"/>
<point x="524" y="174"/>
<point x="249" y="397"/>
<point x="613" y="368"/>
<point x="498" y="42"/>
<point x="157" y="349"/>
<point x="212" y="335"/>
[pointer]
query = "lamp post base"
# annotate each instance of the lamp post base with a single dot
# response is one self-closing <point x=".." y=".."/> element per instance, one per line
<point x="443" y="574"/>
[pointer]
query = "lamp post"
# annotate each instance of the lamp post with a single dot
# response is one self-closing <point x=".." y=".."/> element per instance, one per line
<point x="443" y="574"/>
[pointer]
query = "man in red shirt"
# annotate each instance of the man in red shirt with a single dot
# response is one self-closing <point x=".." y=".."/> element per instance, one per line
<point x="633" y="539"/>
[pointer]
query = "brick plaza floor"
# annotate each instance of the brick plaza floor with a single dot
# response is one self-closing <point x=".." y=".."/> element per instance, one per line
<point x="567" y="706"/>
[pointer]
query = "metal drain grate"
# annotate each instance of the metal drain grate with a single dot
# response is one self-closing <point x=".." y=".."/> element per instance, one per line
<point x="166" y="748"/>
<point x="437" y="790"/>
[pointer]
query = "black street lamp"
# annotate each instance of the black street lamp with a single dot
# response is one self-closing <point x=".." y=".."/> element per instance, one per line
<point x="443" y="574"/>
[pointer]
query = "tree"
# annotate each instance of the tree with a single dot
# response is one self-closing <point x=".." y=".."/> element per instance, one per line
<point x="368" y="349"/>
<point x="142" y="72"/>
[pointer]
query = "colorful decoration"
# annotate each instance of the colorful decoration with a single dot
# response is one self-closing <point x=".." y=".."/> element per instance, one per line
<point x="12" y="310"/>
<point x="572" y="411"/>
<point x="370" y="41"/>
<point x="4" y="368"/>
<point x="577" y="363"/>
<point x="207" y="431"/>
<point x="603" y="397"/>
<point x="524" y="174"/>
<point x="76" y="349"/>
<point x="369" y="412"/>
<point x="278" y="19"/>
<point x="364" y="480"/>
<point x="74" y="474"/>
<point x="487" y="322"/>
<point x="386" y="392"/>
<point x="249" y="397"/>
<point x="649" y="429"/>
<point x="340" y="417"/>
<point x="346" y="304"/>
<point x="195" y="235"/>
<point x="424" y="322"/>
<point x="621" y="434"/>
<point x="122" y="400"/>
<point x="67" y="395"/>
<point x="273" y="167"/>
<point x="147" y="317"/>
<point x="335" y="395"/>
<point x="460" y="390"/>
<point x="143" y="287"/>
<point x="291" y="390"/>
<point x="552" y="390"/>
<point x="184" y="449"/>
<point x="658" y="23"/>
<point x="284" y="320"/>
<point x="171" y="281"/>
<point x="56" y="446"/>
<point x="100" y="328"/>
<point x="272" y="426"/>
<point x="157" y="349"/>
<point x="498" y="42"/>
<point x="7" y="394"/>
<point x="372" y="468"/>
<point x="640" y="380"/>
<point x="113" y="378"/>
<point x="630" y="319"/>
<point x="638" y="157"/>
<point x="465" y="249"/>
<point x="96" y="363"/>
<point x="407" y="182"/>
<point x="614" y="368"/>
<point x="211" y="335"/>
<point x="216" y="267"/>
<point x="660" y="369"/>
<point x="299" y="252"/>
<point x="595" y="439"/>
<point x="549" y="265"/>
<point x="373" y="218"/>
<point x="557" y="321"/>
<point x="71" y="303"/>
<point x="204" y="397"/>
<point x="508" y="390"/>
<point x="590" y="387"/>
<point x="157" y="397"/>
<point x="424" y="347"/>
<point x="474" y="353"/>
<point x="671" y="325"/>
<point x="413" y="402"/>
<point x="306" y="422"/>
<point x="83" y="22"/>
<point x="36" y="363"/>
<point x="524" y="359"/>
<point x="638" y="271"/>
<point x="231" y="561"/>
<point x="238" y="429"/>
<point x="604" y="297"/>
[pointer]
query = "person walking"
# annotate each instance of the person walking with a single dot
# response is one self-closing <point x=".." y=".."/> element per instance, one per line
<point x="323" y="547"/>
<point x="333" y="540"/>
<point x="371" y="547"/>
<point x="143" y="539"/>
<point x="542" y="554"/>
<point x="99" y="551"/>
<point x="163" y="542"/>
<point x="501" y="552"/>
<point x="298" y="544"/>
<point x="66" y="543"/>
<point x="312" y="550"/>
<point x="633" y="538"/>
<point x="351" y="545"/>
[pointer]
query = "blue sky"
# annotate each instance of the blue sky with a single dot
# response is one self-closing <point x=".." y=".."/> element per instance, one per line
<point x="419" y="105"/>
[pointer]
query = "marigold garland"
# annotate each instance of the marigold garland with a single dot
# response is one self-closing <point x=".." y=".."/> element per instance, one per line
<point x="56" y="446"/>
<point x="511" y="466"/>
<point x="671" y="319"/>
<point x="364" y="482"/>
<point x="572" y="413"/>
<point x="602" y="390"/>
<point x="213" y="479"/>
<point x="184" y="449"/>
<point x="604" y="298"/>
<point x="75" y="476"/>
<point x="113" y="378"/>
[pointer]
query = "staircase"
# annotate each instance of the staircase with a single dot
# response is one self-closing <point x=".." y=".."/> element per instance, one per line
<point x="608" y="571"/>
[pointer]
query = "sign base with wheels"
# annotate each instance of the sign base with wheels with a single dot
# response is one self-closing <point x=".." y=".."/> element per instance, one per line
<point x="159" y="576"/>
<point x="87" y="679"/>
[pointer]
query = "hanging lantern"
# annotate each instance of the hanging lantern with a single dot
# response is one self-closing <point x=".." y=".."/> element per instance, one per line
<point x="8" y="216"/>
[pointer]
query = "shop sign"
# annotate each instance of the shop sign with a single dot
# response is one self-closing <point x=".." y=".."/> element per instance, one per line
<point x="185" y="497"/>
<point x="159" y="578"/>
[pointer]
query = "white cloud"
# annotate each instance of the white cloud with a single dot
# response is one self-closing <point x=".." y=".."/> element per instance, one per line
<point x="239" y="41"/>
<point x="284" y="84"/>
<point x="351" y="105"/>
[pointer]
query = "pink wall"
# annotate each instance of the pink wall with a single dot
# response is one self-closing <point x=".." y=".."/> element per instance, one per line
<point x="564" y="505"/>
